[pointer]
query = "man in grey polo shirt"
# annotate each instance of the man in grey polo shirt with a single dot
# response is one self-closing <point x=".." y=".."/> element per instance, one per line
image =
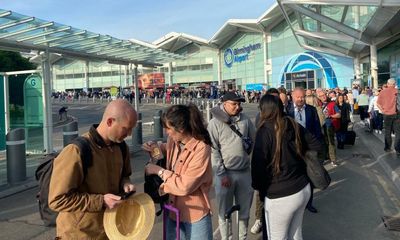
<point x="231" y="160"/>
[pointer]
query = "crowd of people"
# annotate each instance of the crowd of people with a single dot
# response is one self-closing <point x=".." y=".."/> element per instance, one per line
<point x="240" y="158"/>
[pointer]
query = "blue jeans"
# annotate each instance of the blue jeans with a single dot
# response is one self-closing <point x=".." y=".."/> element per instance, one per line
<point x="200" y="230"/>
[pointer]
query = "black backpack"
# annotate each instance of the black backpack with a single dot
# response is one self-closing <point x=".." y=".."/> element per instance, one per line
<point x="44" y="171"/>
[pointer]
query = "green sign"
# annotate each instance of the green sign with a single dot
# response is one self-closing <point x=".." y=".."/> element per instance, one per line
<point x="33" y="103"/>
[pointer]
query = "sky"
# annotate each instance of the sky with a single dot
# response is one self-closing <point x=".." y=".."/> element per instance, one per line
<point x="145" y="20"/>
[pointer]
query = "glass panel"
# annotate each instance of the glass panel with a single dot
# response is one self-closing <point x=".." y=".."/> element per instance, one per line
<point x="358" y="16"/>
<point x="309" y="23"/>
<point x="327" y="29"/>
<point x="345" y="45"/>
<point x="334" y="12"/>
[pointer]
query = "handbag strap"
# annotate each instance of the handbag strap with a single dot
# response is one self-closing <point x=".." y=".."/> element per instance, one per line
<point x="235" y="130"/>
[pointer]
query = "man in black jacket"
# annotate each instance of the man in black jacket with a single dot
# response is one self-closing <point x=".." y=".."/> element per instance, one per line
<point x="307" y="116"/>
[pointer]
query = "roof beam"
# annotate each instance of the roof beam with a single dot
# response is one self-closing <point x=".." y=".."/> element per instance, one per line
<point x="5" y="14"/>
<point x="62" y="29"/>
<point x="102" y="46"/>
<point x="48" y="24"/>
<point x="17" y="22"/>
<point x="323" y="50"/>
<point x="331" y="23"/>
<point x="345" y="10"/>
<point x="94" y="42"/>
<point x="332" y="46"/>
<point x="76" y="42"/>
<point x="65" y="37"/>
<point x="328" y="36"/>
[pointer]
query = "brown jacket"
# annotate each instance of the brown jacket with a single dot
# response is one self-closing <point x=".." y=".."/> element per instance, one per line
<point x="79" y="199"/>
<point x="188" y="178"/>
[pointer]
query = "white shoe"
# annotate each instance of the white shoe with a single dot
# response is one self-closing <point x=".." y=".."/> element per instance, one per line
<point x="393" y="135"/>
<point x="376" y="131"/>
<point x="379" y="131"/>
<point x="257" y="227"/>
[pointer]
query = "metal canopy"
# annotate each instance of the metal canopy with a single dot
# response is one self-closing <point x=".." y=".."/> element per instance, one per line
<point x="231" y="28"/>
<point x="345" y="27"/>
<point x="174" y="41"/>
<point x="23" y="33"/>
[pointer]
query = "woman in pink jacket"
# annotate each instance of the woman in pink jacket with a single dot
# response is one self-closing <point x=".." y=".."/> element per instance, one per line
<point x="188" y="174"/>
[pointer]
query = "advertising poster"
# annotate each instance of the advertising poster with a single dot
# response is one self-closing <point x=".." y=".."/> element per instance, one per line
<point x="151" y="80"/>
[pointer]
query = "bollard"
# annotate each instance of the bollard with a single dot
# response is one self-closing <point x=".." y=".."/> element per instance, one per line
<point x="15" y="154"/>
<point x="70" y="131"/>
<point x="208" y="113"/>
<point x="158" y="130"/>
<point x="79" y="98"/>
<point x="163" y="100"/>
<point x="155" y="100"/>
<point x="137" y="137"/>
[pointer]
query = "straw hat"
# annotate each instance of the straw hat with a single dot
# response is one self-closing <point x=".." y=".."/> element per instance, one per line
<point x="132" y="219"/>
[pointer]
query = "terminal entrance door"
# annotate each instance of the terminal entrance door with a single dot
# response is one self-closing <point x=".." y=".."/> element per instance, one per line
<point x="229" y="84"/>
<point x="304" y="79"/>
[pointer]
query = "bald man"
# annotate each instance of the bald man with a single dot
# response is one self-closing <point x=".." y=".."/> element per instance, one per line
<point x="81" y="199"/>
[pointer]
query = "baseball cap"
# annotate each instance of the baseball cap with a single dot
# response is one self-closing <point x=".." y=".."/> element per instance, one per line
<point x="232" y="96"/>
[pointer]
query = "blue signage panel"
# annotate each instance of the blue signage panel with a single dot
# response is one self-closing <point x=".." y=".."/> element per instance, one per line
<point x="255" y="87"/>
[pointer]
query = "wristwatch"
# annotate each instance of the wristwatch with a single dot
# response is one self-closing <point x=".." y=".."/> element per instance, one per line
<point x="160" y="172"/>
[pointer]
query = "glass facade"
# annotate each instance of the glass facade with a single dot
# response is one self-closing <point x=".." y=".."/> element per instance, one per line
<point x="242" y="60"/>
<point x="70" y="75"/>
<point x="389" y="63"/>
<point x="200" y="67"/>
<point x="288" y="56"/>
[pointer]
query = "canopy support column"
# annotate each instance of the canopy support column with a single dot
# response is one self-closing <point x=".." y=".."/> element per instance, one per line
<point x="374" y="65"/>
<point x="87" y="76"/>
<point x="134" y="73"/>
<point x="357" y="70"/>
<point x="219" y="68"/>
<point x="6" y="105"/>
<point x="169" y="73"/>
<point x="47" y="108"/>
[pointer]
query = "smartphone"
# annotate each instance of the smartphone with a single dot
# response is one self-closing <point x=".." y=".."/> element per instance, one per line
<point x="126" y="195"/>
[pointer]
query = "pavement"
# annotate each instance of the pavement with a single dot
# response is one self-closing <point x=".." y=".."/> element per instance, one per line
<point x="389" y="161"/>
<point x="355" y="162"/>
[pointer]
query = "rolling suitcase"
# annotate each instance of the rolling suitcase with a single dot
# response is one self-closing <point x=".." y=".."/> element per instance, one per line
<point x="350" y="137"/>
<point x="167" y="209"/>
<point x="228" y="221"/>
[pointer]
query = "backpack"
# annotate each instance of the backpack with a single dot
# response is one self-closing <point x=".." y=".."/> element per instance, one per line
<point x="44" y="171"/>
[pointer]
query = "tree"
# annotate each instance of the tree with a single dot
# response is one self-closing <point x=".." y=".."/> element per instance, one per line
<point x="13" y="61"/>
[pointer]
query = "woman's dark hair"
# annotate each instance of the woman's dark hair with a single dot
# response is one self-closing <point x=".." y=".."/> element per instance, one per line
<point x="186" y="118"/>
<point x="271" y="108"/>
<point x="273" y="91"/>
<point x="340" y="95"/>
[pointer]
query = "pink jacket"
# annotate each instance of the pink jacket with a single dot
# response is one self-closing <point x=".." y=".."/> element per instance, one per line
<point x="188" y="178"/>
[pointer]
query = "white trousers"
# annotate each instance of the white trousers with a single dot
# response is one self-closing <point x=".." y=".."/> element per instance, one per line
<point x="284" y="216"/>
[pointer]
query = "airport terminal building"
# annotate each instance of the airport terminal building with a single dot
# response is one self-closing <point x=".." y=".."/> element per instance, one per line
<point x="291" y="44"/>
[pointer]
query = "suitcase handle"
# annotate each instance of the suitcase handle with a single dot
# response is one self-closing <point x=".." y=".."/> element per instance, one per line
<point x="232" y="210"/>
<point x="176" y="211"/>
